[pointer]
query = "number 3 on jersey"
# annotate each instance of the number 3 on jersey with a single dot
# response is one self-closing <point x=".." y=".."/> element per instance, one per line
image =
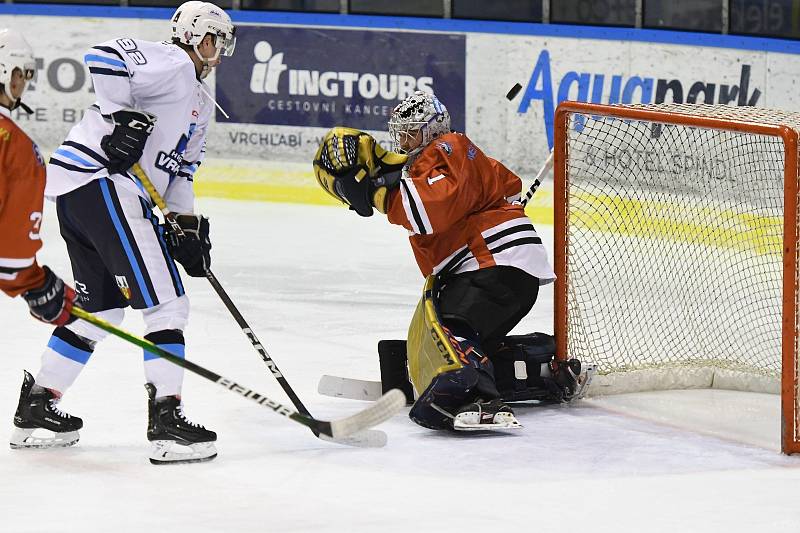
<point x="36" y="218"/>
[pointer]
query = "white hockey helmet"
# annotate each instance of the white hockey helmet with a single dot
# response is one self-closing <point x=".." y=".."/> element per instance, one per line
<point x="193" y="20"/>
<point x="418" y="112"/>
<point x="15" y="52"/>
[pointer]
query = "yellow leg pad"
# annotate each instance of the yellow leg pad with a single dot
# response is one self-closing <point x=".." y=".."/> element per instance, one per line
<point x="430" y="351"/>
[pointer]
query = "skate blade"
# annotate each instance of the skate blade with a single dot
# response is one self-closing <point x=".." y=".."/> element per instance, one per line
<point x="23" y="438"/>
<point x="584" y="380"/>
<point x="170" y="452"/>
<point x="465" y="422"/>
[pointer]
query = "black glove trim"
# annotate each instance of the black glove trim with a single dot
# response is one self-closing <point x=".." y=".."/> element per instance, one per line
<point x="356" y="193"/>
<point x="125" y="145"/>
<point x="193" y="249"/>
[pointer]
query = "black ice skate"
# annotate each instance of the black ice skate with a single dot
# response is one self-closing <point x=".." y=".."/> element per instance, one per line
<point x="481" y="415"/>
<point x="175" y="439"/>
<point x="37" y="412"/>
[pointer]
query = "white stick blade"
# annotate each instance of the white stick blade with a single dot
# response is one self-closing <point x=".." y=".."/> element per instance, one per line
<point x="353" y="389"/>
<point x="383" y="409"/>
<point x="369" y="438"/>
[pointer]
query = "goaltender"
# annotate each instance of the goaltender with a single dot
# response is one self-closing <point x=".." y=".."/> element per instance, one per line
<point x="482" y="258"/>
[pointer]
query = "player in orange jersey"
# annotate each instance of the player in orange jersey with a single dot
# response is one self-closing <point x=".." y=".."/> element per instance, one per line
<point x="22" y="180"/>
<point x="468" y="230"/>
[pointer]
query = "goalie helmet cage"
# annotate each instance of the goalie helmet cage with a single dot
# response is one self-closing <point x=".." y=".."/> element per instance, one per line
<point x="676" y="245"/>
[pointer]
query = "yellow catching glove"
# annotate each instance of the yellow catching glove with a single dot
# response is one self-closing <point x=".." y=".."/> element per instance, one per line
<point x="353" y="168"/>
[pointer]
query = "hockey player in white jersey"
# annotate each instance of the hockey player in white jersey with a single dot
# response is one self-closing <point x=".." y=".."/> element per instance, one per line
<point x="153" y="108"/>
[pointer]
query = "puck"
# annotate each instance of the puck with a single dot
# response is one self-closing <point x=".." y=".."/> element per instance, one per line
<point x="513" y="92"/>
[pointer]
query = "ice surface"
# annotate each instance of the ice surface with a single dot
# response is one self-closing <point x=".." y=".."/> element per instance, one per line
<point x="320" y="286"/>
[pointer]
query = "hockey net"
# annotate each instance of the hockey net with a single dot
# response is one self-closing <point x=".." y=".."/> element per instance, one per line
<point x="676" y="248"/>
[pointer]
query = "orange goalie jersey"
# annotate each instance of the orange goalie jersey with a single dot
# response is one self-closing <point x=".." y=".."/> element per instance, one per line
<point x="22" y="180"/>
<point x="457" y="205"/>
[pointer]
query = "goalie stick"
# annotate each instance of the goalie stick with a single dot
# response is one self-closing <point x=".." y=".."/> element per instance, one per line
<point x="537" y="182"/>
<point x="370" y="391"/>
<point x="371" y="438"/>
<point x="386" y="406"/>
<point x="352" y="389"/>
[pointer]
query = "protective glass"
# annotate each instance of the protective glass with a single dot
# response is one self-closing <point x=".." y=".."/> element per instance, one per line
<point x="226" y="42"/>
<point x="29" y="71"/>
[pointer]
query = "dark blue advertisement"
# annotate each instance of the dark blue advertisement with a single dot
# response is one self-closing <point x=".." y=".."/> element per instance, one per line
<point x="326" y="78"/>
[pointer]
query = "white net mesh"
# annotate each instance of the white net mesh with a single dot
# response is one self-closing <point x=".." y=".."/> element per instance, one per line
<point x="675" y="250"/>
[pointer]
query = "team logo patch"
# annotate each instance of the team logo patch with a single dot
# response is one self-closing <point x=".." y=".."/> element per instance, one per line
<point x="446" y="147"/>
<point x="124" y="288"/>
<point x="82" y="290"/>
<point x="471" y="152"/>
<point x="171" y="162"/>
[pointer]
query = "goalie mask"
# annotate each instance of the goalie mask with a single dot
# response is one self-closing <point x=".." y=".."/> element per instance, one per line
<point x="15" y="53"/>
<point x="193" y="20"/>
<point x="419" y="114"/>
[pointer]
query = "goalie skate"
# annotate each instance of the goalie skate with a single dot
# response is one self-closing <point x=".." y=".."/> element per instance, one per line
<point x="39" y="423"/>
<point x="174" y="438"/>
<point x="481" y="416"/>
<point x="584" y="379"/>
<point x="572" y="379"/>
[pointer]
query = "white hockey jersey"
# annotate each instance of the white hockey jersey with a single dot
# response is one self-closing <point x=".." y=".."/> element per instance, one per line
<point x="158" y="77"/>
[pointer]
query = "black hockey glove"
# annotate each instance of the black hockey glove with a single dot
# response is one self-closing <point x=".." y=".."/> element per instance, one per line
<point x="52" y="302"/>
<point x="125" y="145"/>
<point x="193" y="250"/>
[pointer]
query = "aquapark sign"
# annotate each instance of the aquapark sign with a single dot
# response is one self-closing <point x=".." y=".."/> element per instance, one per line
<point x="592" y="86"/>
<point x="324" y="78"/>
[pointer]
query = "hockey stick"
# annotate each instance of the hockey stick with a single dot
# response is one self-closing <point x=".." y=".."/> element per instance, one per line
<point x="389" y="404"/>
<point x="369" y="439"/>
<point x="548" y="164"/>
<point x="350" y="388"/>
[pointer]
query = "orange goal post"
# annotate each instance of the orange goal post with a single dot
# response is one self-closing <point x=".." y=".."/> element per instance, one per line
<point x="676" y="241"/>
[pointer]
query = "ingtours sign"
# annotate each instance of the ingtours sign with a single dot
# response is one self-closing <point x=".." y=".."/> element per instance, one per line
<point x="325" y="78"/>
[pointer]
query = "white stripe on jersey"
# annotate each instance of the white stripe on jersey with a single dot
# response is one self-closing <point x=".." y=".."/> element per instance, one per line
<point x="411" y="203"/>
<point x="8" y="262"/>
<point x="526" y="231"/>
<point x="530" y="257"/>
<point x="8" y="277"/>
<point x="105" y="60"/>
<point x="438" y="268"/>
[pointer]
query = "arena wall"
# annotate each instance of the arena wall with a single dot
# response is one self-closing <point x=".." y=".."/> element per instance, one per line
<point x="295" y="75"/>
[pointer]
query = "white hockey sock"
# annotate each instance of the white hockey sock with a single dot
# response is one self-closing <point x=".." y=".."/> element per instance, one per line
<point x="69" y="349"/>
<point x="167" y="377"/>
